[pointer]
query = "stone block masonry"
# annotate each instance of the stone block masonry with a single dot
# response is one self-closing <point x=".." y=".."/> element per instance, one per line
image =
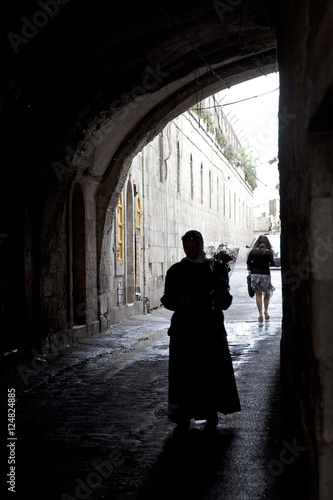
<point x="183" y="181"/>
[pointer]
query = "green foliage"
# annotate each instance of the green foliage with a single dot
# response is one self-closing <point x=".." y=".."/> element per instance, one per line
<point x="249" y="164"/>
<point x="209" y="122"/>
<point x="243" y="158"/>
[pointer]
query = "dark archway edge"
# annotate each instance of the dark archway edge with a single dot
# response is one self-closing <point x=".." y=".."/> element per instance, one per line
<point x="61" y="86"/>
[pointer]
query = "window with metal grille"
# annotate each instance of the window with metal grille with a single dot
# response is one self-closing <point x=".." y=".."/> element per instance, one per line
<point x="120" y="224"/>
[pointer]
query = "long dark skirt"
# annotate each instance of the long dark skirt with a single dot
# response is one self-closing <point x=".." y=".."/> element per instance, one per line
<point x="201" y="375"/>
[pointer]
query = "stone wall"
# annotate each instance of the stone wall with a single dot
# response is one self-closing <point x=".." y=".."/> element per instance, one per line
<point x="90" y="93"/>
<point x="183" y="181"/>
<point x="305" y="153"/>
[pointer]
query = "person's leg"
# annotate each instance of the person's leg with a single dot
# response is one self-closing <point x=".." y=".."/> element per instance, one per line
<point x="259" y="305"/>
<point x="212" y="420"/>
<point x="266" y="304"/>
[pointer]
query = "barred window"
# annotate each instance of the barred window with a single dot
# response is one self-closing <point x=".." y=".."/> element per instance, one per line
<point x="120" y="224"/>
<point x="178" y="167"/>
<point x="138" y="215"/>
<point x="191" y="174"/>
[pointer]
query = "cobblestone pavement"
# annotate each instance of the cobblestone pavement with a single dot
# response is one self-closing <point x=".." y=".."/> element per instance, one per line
<point x="91" y="422"/>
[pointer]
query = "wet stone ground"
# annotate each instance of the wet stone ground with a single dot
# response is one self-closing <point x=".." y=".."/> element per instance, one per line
<point x="91" y="422"/>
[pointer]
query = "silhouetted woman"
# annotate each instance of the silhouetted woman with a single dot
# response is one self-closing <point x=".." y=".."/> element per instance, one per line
<point x="201" y="376"/>
<point x="259" y="261"/>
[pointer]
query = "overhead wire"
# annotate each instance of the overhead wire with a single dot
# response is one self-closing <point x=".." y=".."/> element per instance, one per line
<point x="210" y="68"/>
<point x="236" y="102"/>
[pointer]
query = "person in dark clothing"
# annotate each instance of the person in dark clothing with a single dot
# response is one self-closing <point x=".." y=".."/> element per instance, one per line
<point x="259" y="261"/>
<point x="201" y="376"/>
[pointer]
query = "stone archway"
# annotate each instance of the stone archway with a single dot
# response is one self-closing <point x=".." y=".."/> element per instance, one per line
<point x="80" y="105"/>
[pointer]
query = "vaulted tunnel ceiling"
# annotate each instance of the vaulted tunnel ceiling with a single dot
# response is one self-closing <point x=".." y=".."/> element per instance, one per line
<point x="69" y="67"/>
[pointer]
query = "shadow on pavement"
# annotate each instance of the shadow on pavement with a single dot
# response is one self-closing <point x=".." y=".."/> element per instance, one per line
<point x="187" y="465"/>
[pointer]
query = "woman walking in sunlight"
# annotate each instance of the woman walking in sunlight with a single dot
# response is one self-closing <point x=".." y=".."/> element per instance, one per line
<point x="259" y="261"/>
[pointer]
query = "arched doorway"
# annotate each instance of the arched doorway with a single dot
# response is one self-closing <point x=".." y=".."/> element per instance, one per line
<point x="130" y="246"/>
<point x="138" y="247"/>
<point x="78" y="257"/>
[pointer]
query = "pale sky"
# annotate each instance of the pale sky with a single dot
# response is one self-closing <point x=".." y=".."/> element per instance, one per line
<point x="258" y="119"/>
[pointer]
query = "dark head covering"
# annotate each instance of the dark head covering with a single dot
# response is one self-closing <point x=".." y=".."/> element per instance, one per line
<point x="195" y="235"/>
<point x="192" y="235"/>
